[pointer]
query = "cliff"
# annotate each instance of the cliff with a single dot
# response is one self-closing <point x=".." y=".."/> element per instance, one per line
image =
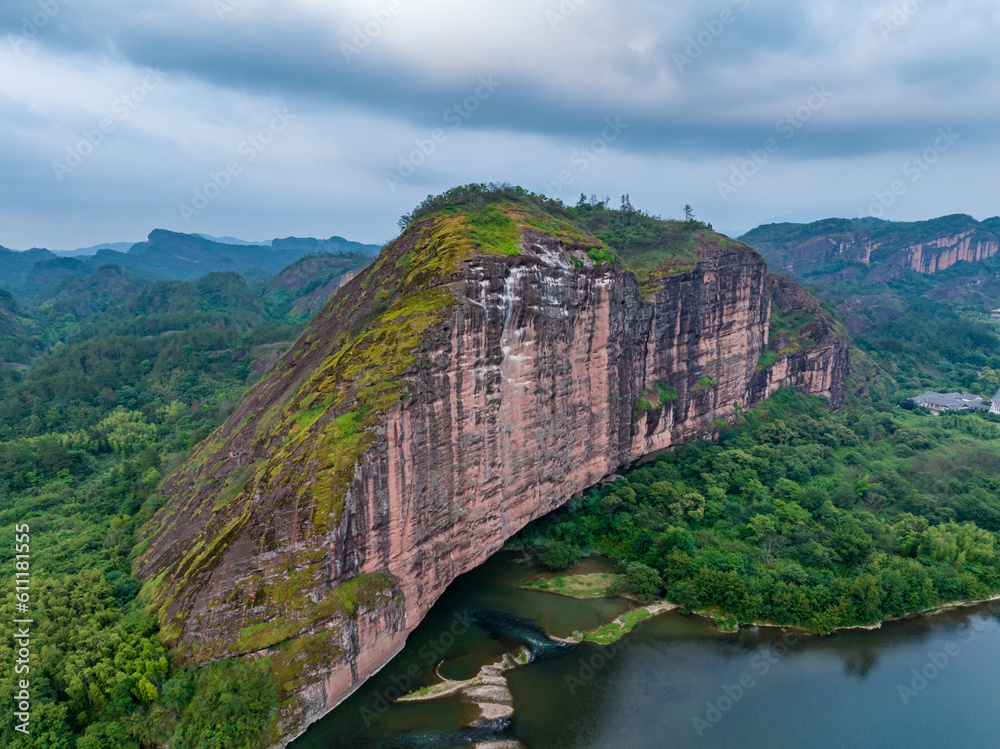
<point x="872" y="249"/>
<point x="301" y="289"/>
<point x="494" y="360"/>
<point x="805" y="348"/>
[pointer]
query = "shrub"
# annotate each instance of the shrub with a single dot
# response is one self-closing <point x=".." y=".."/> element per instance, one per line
<point x="560" y="555"/>
<point x="643" y="581"/>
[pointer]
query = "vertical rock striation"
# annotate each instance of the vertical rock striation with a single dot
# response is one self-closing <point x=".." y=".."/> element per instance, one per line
<point x="443" y="399"/>
<point x="843" y="249"/>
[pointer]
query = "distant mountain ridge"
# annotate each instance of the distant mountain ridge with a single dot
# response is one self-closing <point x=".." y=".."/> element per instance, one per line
<point x="871" y="249"/>
<point x="300" y="290"/>
<point x="233" y="240"/>
<point x="85" y="251"/>
<point x="168" y="256"/>
<point x="873" y="272"/>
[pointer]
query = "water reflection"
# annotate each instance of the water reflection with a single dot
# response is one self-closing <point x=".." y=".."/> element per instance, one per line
<point x="675" y="681"/>
<point x="499" y="730"/>
<point x="860" y="664"/>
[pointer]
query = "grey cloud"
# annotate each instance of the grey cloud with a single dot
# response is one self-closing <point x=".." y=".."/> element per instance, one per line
<point x="893" y="86"/>
<point x="271" y="49"/>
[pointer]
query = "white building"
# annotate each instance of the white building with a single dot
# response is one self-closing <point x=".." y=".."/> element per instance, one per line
<point x="939" y="402"/>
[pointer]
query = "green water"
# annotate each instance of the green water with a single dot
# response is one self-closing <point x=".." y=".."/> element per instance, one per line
<point x="675" y="682"/>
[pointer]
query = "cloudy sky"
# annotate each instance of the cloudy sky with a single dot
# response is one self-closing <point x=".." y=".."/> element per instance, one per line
<point x="264" y="118"/>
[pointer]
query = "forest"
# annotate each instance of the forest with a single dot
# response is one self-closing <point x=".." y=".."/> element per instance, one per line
<point x="799" y="516"/>
<point x="126" y="385"/>
<point x="793" y="514"/>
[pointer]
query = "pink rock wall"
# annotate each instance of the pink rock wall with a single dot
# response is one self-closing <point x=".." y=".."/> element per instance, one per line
<point x="525" y="396"/>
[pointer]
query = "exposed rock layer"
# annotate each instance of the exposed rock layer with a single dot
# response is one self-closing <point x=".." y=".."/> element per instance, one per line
<point x="541" y="374"/>
<point x="837" y="249"/>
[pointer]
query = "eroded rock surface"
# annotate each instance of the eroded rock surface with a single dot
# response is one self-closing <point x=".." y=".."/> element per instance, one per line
<point x="443" y="399"/>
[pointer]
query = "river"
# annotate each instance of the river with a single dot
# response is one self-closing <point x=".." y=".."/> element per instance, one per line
<point x="676" y="682"/>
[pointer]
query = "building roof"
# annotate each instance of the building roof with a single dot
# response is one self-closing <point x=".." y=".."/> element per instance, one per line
<point x="996" y="397"/>
<point x="951" y="401"/>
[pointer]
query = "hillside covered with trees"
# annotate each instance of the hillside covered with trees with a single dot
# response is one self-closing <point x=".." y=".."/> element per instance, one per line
<point x="800" y="516"/>
<point x="125" y="377"/>
<point x="795" y="515"/>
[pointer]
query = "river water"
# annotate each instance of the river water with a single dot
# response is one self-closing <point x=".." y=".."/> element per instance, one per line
<point x="676" y="682"/>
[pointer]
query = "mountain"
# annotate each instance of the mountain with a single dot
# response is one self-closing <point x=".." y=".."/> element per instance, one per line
<point x="872" y="249"/>
<point x="46" y="275"/>
<point x="234" y="240"/>
<point x="84" y="251"/>
<point x="501" y="355"/>
<point x="79" y="296"/>
<point x="165" y="256"/>
<point x="12" y="324"/>
<point x="15" y="266"/>
<point x="301" y="289"/>
<point x="168" y="255"/>
<point x="333" y="244"/>
<point x="874" y="272"/>
<point x="19" y="341"/>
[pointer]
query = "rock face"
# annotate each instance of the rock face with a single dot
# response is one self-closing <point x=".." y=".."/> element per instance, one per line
<point x="841" y="249"/>
<point x="944" y="252"/>
<point x="444" y="398"/>
<point x="808" y="350"/>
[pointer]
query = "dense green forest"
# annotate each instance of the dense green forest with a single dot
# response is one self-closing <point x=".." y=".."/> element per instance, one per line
<point x="800" y="516"/>
<point x="795" y="515"/>
<point x="939" y="335"/>
<point x="132" y="376"/>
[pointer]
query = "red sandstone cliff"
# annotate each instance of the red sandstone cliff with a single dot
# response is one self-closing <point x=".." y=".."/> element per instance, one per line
<point x="444" y="398"/>
<point x="837" y="249"/>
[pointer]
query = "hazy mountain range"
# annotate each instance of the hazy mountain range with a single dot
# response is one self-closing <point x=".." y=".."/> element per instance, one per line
<point x="166" y="256"/>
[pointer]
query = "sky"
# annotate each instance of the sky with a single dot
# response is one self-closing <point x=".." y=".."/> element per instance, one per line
<point x="261" y="119"/>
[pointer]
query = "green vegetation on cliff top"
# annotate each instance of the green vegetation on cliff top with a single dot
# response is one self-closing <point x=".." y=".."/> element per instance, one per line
<point x="165" y="363"/>
<point x="646" y="244"/>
